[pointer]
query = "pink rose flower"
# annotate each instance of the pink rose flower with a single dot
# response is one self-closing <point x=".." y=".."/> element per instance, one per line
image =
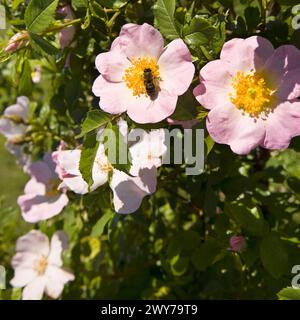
<point x="141" y="76"/>
<point x="128" y="190"/>
<point x="237" y="243"/>
<point x="251" y="92"/>
<point x="42" y="199"/>
<point x="38" y="265"/>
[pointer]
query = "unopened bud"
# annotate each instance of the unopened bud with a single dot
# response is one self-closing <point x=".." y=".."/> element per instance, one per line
<point x="237" y="243"/>
<point x="17" y="41"/>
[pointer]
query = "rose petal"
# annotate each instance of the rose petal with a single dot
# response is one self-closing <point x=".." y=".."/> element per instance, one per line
<point x="56" y="278"/>
<point x="215" y="84"/>
<point x="22" y="277"/>
<point x="246" y="54"/>
<point x="38" y="208"/>
<point x="127" y="196"/>
<point x="282" y="125"/>
<point x="35" y="289"/>
<point x="289" y="87"/>
<point x="144" y="110"/>
<point x="229" y="126"/>
<point x="285" y="58"/>
<point x="113" y="96"/>
<point x="176" y="60"/>
<point x="59" y="243"/>
<point x="112" y="65"/>
<point x="140" y="40"/>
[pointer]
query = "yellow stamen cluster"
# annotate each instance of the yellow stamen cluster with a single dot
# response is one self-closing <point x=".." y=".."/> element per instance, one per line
<point x="252" y="94"/>
<point x="134" y="75"/>
<point x="104" y="164"/>
<point x="41" y="265"/>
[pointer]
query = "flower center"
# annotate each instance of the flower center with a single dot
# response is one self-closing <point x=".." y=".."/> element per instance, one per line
<point x="104" y="164"/>
<point x="41" y="265"/>
<point x="134" y="76"/>
<point x="252" y="94"/>
<point x="52" y="187"/>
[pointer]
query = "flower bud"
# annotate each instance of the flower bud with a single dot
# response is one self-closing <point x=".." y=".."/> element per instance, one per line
<point x="237" y="243"/>
<point x="16" y="41"/>
<point x="66" y="35"/>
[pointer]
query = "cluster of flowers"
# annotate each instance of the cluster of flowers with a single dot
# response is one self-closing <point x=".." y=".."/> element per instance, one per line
<point x="251" y="93"/>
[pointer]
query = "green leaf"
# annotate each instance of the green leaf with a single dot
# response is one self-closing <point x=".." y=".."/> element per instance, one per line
<point x="273" y="255"/>
<point x="112" y="4"/>
<point x="164" y="18"/>
<point x="40" y="14"/>
<point x="78" y="4"/>
<point x="289" y="293"/>
<point x="209" y="144"/>
<point x="186" y="108"/>
<point x="16" y="3"/>
<point x="88" y="154"/>
<point x="25" y="83"/>
<point x="202" y="33"/>
<point x="116" y="148"/>
<point x="42" y="46"/>
<point x="247" y="216"/>
<point x="87" y="20"/>
<point x="207" y="254"/>
<point x="98" y="228"/>
<point x="4" y="56"/>
<point x="94" y="120"/>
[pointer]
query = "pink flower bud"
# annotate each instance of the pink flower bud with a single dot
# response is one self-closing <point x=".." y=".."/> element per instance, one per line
<point x="16" y="41"/>
<point x="66" y="35"/>
<point x="237" y="243"/>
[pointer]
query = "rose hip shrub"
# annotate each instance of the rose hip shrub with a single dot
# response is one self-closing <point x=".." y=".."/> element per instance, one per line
<point x="88" y="228"/>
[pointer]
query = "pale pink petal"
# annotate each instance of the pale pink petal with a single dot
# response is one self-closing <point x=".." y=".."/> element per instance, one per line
<point x="144" y="110"/>
<point x="284" y="59"/>
<point x="75" y="184"/>
<point x="140" y="40"/>
<point x="41" y="172"/>
<point x="244" y="55"/>
<point x="23" y="276"/>
<point x="59" y="243"/>
<point x="112" y="65"/>
<point x="24" y="259"/>
<point x="228" y="125"/>
<point x="215" y="86"/>
<point x="34" y="242"/>
<point x="34" y="188"/>
<point x="282" y="125"/>
<point x="20" y="109"/>
<point x="148" y="151"/>
<point x="38" y="208"/>
<point x="56" y="278"/>
<point x="289" y="87"/>
<point x="176" y="68"/>
<point x="12" y="131"/>
<point x="127" y="196"/>
<point x="69" y="161"/>
<point x="99" y="174"/>
<point x="35" y="289"/>
<point x="113" y="96"/>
